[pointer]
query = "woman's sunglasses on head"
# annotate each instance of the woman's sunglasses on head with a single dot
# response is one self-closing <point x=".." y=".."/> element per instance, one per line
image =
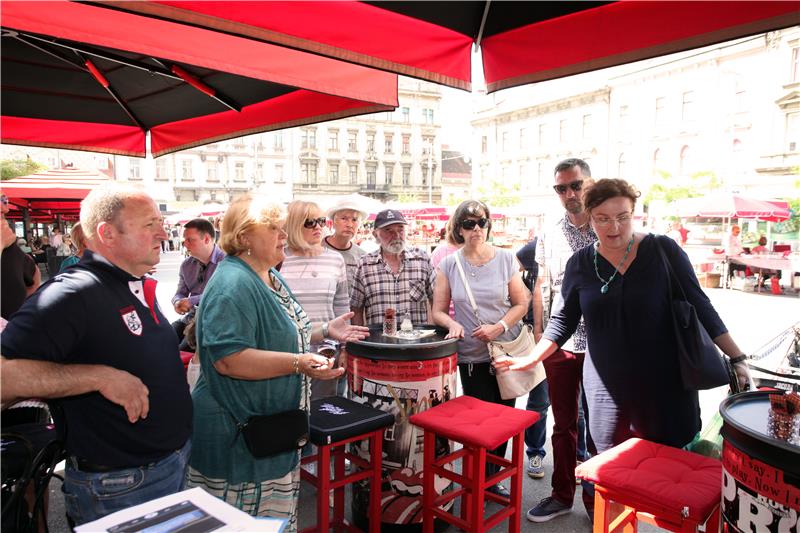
<point x="575" y="186"/>
<point x="311" y="222"/>
<point x="470" y="224"/>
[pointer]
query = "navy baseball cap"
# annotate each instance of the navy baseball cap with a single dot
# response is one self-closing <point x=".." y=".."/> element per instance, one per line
<point x="387" y="217"/>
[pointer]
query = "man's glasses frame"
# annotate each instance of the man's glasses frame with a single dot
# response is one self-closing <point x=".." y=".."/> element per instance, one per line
<point x="311" y="222"/>
<point x="469" y="224"/>
<point x="574" y="185"/>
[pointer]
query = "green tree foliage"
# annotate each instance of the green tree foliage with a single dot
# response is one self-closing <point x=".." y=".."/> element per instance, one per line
<point x="668" y="189"/>
<point x="498" y="194"/>
<point x="407" y="198"/>
<point x="14" y="168"/>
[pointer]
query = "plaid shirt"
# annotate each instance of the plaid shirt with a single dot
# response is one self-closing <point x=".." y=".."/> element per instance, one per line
<point x="376" y="287"/>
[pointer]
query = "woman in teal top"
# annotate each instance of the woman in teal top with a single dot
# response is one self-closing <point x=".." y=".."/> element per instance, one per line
<point x="79" y="240"/>
<point x="253" y="339"/>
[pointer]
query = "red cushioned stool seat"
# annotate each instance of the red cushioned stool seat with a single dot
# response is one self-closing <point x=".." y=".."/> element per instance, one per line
<point x="479" y="426"/>
<point x="641" y="480"/>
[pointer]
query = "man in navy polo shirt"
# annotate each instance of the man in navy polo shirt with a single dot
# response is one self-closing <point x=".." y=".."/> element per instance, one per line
<point x="103" y="311"/>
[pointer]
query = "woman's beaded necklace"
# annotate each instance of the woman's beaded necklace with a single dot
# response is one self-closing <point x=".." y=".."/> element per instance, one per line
<point x="606" y="283"/>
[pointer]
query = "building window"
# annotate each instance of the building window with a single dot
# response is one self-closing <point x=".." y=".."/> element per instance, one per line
<point x="427" y="116"/>
<point x="388" y="177"/>
<point x="135" y="169"/>
<point x="425" y="170"/>
<point x="542" y="134"/>
<point x="309" y="140"/>
<point x="685" y="164"/>
<point x="161" y="169"/>
<point x="523" y="172"/>
<point x="406" y="175"/>
<point x="523" y="139"/>
<point x="484" y="144"/>
<point x="211" y="172"/>
<point x="388" y="143"/>
<point x="793" y="132"/>
<point x="372" y="177"/>
<point x="259" y="172"/>
<point x="427" y="146"/>
<point x="352" y="141"/>
<point x="687" y="106"/>
<point x="541" y="172"/>
<point x="658" y="161"/>
<point x="308" y="172"/>
<point x="333" y="173"/>
<point x="504" y="144"/>
<point x="563" y="130"/>
<point x="370" y="141"/>
<point x="586" y="127"/>
<point x="406" y="144"/>
<point x="278" y="142"/>
<point x="238" y="171"/>
<point x="279" y="178"/>
<point x="621" y="166"/>
<point x="661" y="108"/>
<point x="353" y="174"/>
<point x="795" y="65"/>
<point x="333" y="140"/>
<point x="406" y="115"/>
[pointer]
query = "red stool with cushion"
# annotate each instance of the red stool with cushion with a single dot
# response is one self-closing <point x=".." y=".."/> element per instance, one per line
<point x="640" y="480"/>
<point x="479" y="426"/>
<point x="334" y="423"/>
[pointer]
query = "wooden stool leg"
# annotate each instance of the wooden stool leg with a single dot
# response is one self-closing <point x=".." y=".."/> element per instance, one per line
<point x="323" y="489"/>
<point x="467" y="470"/>
<point x="338" y="494"/>
<point x="712" y="524"/>
<point x="376" y="458"/>
<point x="516" y="483"/>
<point x="601" y="517"/>
<point x="478" y="479"/>
<point x="428" y="491"/>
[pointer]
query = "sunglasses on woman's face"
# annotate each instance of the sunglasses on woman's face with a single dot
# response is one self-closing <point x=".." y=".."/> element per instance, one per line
<point x="311" y="222"/>
<point x="575" y="186"/>
<point x="470" y="224"/>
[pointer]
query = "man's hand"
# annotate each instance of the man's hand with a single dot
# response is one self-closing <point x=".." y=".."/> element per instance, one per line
<point x="126" y="390"/>
<point x="183" y="306"/>
<point x="487" y="332"/>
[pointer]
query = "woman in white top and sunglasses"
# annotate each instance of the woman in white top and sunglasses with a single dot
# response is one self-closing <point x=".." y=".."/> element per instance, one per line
<point x="316" y="276"/>
<point x="496" y="284"/>
<point x="631" y="372"/>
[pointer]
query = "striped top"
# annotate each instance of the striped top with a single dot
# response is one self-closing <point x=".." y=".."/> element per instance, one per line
<point x="319" y="283"/>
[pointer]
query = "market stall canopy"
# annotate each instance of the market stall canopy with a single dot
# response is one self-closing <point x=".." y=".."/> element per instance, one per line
<point x="521" y="42"/>
<point x="200" y="211"/>
<point x="50" y="193"/>
<point x="733" y="206"/>
<point x="85" y="77"/>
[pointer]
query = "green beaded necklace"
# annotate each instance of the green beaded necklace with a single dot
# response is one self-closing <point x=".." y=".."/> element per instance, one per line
<point x="606" y="283"/>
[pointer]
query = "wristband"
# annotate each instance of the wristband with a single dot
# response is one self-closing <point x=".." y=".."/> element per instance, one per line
<point x="505" y="326"/>
<point x="324" y="329"/>
<point x="738" y="359"/>
<point x="296" y="363"/>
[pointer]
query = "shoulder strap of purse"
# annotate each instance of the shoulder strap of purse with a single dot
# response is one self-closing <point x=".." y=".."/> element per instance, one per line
<point x="466" y="286"/>
<point x="672" y="278"/>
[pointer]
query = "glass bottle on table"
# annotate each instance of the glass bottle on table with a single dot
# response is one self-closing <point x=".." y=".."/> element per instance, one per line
<point x="406" y="326"/>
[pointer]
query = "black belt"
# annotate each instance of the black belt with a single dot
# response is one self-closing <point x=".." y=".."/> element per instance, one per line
<point x="85" y="466"/>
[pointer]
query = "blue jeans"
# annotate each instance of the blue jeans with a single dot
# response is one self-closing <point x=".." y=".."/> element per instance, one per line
<point x="92" y="495"/>
<point x="583" y="454"/>
<point x="536" y="435"/>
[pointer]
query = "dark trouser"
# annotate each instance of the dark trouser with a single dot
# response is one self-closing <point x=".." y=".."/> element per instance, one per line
<point x="564" y="372"/>
<point x="478" y="380"/>
<point x="536" y="434"/>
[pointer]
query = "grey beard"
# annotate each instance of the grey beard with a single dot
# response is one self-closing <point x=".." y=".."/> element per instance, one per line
<point x="394" y="247"/>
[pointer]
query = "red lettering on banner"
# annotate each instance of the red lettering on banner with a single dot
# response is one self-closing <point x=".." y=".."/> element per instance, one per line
<point x="760" y="477"/>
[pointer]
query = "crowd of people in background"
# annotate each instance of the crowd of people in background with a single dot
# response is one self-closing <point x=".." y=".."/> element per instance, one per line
<point x="263" y="293"/>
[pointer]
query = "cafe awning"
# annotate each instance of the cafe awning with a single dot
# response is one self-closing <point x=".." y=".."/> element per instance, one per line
<point x="50" y="193"/>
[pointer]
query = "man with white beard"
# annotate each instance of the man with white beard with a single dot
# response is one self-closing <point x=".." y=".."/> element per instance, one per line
<point x="393" y="277"/>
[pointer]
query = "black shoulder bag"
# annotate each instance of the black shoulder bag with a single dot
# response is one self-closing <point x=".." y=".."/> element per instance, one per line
<point x="702" y="366"/>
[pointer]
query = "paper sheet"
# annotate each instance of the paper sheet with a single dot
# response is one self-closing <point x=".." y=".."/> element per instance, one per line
<point x="418" y="334"/>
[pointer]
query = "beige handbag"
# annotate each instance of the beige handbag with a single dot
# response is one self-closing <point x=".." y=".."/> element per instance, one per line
<point x="512" y="383"/>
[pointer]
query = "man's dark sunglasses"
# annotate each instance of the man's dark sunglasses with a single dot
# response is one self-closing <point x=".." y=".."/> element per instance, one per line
<point x="575" y="186"/>
<point x="311" y="222"/>
<point x="469" y="224"/>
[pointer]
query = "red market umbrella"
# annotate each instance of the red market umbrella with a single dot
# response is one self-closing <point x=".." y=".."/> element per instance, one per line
<point x="521" y="42"/>
<point x="734" y="206"/>
<point x="50" y="193"/>
<point x="85" y="77"/>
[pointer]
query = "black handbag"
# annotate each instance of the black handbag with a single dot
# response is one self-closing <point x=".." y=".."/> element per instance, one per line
<point x="268" y="435"/>
<point x="701" y="364"/>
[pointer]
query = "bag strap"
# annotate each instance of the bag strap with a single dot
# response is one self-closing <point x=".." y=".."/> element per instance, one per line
<point x="466" y="286"/>
<point x="672" y="278"/>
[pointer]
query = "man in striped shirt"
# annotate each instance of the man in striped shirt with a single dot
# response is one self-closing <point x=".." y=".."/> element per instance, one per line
<point x="392" y="277"/>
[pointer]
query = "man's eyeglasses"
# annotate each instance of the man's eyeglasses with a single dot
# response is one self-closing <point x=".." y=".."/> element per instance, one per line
<point x="604" y="222"/>
<point x="4" y="200"/>
<point x="575" y="186"/>
<point x="469" y="224"/>
<point x="311" y="222"/>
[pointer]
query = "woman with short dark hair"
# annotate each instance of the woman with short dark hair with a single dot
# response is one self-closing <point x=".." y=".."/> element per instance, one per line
<point x="620" y="286"/>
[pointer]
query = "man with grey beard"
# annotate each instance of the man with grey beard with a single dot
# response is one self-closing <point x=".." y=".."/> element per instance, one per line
<point x="392" y="277"/>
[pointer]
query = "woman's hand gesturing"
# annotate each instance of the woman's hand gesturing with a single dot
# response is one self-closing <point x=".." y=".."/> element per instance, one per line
<point x="340" y="330"/>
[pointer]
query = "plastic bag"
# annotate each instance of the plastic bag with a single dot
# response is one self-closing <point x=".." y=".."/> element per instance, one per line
<point x="708" y="441"/>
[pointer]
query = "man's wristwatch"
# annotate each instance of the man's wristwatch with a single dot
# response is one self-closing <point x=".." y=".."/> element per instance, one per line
<point x="738" y="358"/>
<point x="324" y="329"/>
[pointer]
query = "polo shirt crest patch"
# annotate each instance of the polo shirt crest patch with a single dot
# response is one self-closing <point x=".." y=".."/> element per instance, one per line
<point x="131" y="320"/>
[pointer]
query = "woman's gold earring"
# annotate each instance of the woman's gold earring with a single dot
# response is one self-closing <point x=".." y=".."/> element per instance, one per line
<point x="248" y="251"/>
